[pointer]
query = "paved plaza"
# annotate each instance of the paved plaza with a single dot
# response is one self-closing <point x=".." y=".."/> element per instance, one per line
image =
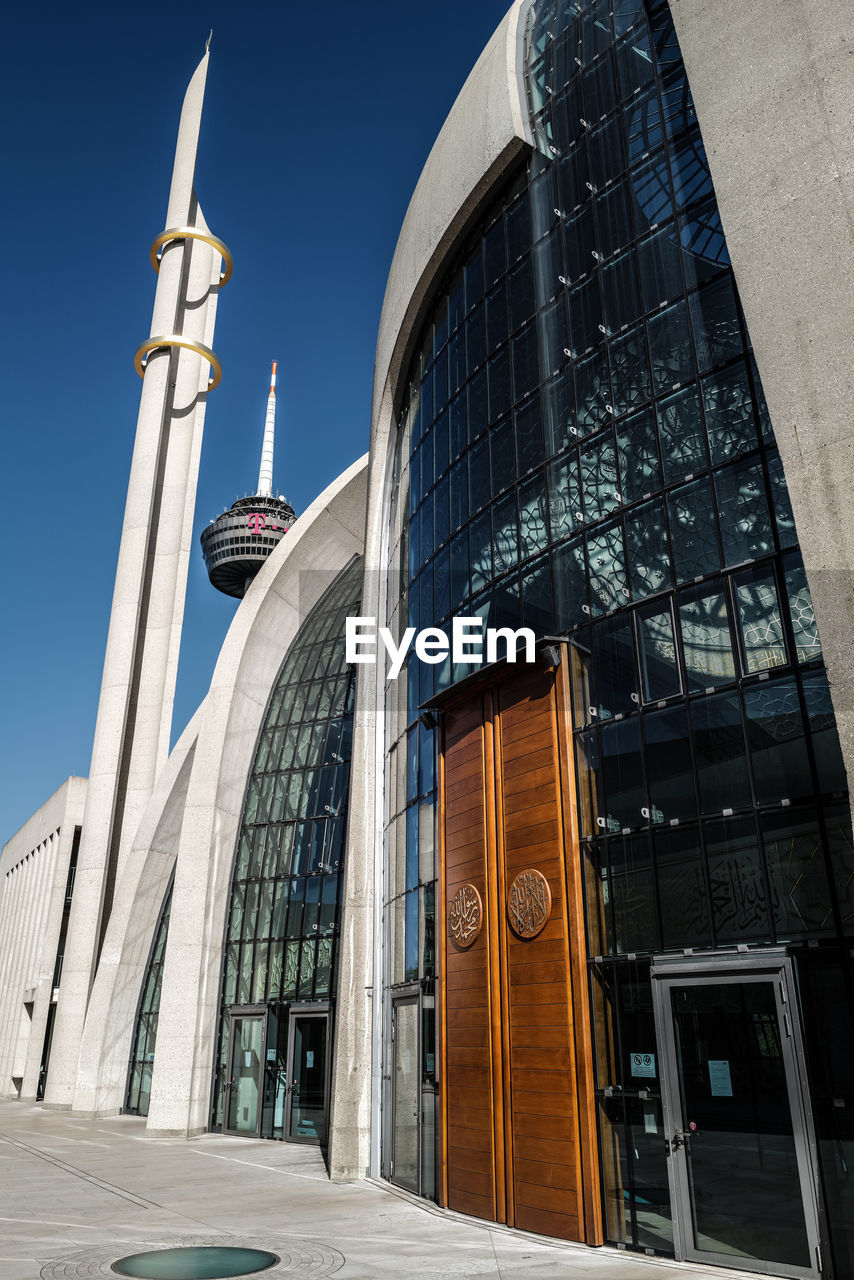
<point x="76" y="1195"/>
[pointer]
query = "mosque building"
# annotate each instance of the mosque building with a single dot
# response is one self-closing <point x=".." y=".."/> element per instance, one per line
<point x="561" y="943"/>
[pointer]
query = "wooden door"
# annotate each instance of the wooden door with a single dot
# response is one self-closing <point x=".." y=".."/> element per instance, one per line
<point x="518" y="1088"/>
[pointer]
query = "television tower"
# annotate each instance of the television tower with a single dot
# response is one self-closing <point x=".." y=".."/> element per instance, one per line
<point x="237" y="543"/>
<point x="178" y="368"/>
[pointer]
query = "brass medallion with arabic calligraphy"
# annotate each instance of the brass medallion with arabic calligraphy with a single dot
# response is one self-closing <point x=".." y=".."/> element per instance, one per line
<point x="529" y="903"/>
<point x="465" y="915"/>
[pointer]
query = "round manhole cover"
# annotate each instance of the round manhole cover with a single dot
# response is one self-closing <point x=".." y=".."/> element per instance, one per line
<point x="285" y="1258"/>
<point x="198" y="1262"/>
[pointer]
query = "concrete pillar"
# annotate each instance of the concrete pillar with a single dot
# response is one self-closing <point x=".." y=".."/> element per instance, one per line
<point x="773" y="85"/>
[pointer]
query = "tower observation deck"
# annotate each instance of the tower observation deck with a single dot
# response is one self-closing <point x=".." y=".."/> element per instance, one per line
<point x="237" y="543"/>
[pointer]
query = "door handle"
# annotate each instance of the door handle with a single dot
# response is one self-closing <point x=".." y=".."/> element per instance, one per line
<point x="678" y="1140"/>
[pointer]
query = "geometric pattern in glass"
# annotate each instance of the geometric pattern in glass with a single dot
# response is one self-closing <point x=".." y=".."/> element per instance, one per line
<point x="282" y="927"/>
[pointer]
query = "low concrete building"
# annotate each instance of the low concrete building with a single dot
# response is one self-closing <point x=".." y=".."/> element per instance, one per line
<point x="37" y="872"/>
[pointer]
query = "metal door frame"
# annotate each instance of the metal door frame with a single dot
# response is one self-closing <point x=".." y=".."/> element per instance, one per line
<point x="311" y="1009"/>
<point x="244" y="1012"/>
<point x="707" y="969"/>
<point x="410" y="996"/>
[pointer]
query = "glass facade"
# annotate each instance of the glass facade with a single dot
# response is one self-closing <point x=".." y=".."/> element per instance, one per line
<point x="584" y="448"/>
<point x="145" y="1033"/>
<point x="282" y="923"/>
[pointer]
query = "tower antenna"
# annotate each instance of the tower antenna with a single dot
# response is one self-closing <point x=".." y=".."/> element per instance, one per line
<point x="237" y="543"/>
<point x="265" y="474"/>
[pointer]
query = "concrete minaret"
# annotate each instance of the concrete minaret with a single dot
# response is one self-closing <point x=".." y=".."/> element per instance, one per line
<point x="137" y="689"/>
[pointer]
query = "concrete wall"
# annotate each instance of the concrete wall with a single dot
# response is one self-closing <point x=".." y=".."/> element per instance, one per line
<point x="773" y="82"/>
<point x="33" y="876"/>
<point x="485" y="135"/>
<point x="102" y="1068"/>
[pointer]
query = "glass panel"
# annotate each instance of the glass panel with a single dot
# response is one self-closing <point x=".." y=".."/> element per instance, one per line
<point x="657" y="653"/>
<point x="564" y="496"/>
<point x="759" y="620"/>
<point x="670" y="347"/>
<point x="706" y="638"/>
<point x="794" y="853"/>
<point x="637" y="451"/>
<point x="783" y="516"/>
<point x="717" y="334"/>
<point x="658" y="258"/>
<point x="692" y="531"/>
<point x="599" y="478"/>
<point x="632" y="894"/>
<point x="616" y="681"/>
<point x="592" y="393"/>
<point x="607" y="568"/>
<point x="246" y="1037"/>
<point x="682" y="896"/>
<point x="629" y="372"/>
<point x="307" y="1120"/>
<point x="620" y="289"/>
<point x="621" y="775"/>
<point x="668" y="766"/>
<point x="775" y="733"/>
<point x="743" y="511"/>
<point x="736" y="876"/>
<point x="730" y="420"/>
<point x="680" y="429"/>
<point x="742" y="1162"/>
<point x="829" y="765"/>
<point x="406" y="1094"/>
<point x="719" y="753"/>
<point x="570" y="584"/>
<point x="807" y="643"/>
<point x="647" y="550"/>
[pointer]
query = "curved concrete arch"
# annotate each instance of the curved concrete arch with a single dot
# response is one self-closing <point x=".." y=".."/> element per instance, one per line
<point x="486" y="133"/>
<point x="111" y="1013"/>
<point x="321" y="542"/>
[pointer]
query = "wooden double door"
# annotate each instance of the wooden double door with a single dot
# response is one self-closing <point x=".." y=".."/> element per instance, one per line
<point x="518" y="1124"/>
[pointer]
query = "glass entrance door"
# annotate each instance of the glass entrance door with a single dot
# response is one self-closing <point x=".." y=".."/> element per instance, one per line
<point x="245" y="1066"/>
<point x="737" y="1131"/>
<point x="406" y="1076"/>
<point x="308" y="1077"/>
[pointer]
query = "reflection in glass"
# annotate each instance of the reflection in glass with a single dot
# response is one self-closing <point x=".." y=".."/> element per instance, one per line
<point x="759" y="620"/>
<point x="616" y="681"/>
<point x="668" y="765"/>
<point x="719" y="753"/>
<point x="730" y="420"/>
<point x="800" y="898"/>
<point x="692" y="531"/>
<point x="621" y="775"/>
<point x="829" y="765"/>
<point x="743" y="511"/>
<point x="637" y="452"/>
<point x="736" y="878"/>
<point x="682" y="895"/>
<point x="647" y="549"/>
<point x="743" y="1168"/>
<point x="801" y="612"/>
<point x="706" y="638"/>
<point x="775" y="733"/>
<point x="607" y="569"/>
<point x="657" y="653"/>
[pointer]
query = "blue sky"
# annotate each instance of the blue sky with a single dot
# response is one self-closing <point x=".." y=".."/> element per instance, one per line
<point x="317" y="122"/>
